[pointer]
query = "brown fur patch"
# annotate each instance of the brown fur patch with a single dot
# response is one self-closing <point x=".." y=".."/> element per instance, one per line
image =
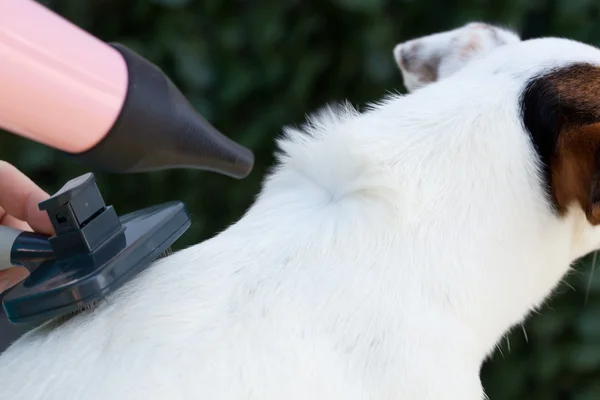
<point x="579" y="90"/>
<point x="428" y="71"/>
<point x="411" y="60"/>
<point x="575" y="172"/>
<point x="575" y="167"/>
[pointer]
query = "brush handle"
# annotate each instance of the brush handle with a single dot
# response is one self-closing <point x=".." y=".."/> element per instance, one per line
<point x="7" y="240"/>
<point x="17" y="247"/>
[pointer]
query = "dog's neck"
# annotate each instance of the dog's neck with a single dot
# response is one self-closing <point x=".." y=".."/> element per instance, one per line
<point x="423" y="224"/>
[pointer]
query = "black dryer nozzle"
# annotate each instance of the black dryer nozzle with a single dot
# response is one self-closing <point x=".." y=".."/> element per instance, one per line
<point x="159" y="129"/>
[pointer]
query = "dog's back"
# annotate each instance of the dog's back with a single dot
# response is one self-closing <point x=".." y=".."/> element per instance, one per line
<point x="296" y="300"/>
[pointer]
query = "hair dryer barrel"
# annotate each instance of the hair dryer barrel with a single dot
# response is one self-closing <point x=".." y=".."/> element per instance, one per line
<point x="102" y="104"/>
<point x="60" y="86"/>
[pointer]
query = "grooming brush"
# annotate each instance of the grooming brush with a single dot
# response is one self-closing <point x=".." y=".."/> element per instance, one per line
<point x="92" y="253"/>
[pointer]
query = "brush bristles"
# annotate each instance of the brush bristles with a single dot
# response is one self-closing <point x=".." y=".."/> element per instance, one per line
<point x="70" y="315"/>
<point x="168" y="251"/>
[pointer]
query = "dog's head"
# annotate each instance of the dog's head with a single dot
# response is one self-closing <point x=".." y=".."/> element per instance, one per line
<point x="558" y="100"/>
<point x="433" y="57"/>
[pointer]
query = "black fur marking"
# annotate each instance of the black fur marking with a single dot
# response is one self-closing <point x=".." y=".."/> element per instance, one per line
<point x="540" y="111"/>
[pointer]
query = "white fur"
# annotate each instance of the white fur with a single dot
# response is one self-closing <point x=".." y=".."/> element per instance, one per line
<point x="385" y="257"/>
<point x="448" y="52"/>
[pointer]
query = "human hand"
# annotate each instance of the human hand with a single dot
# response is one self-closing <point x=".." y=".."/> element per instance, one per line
<point x="19" y="198"/>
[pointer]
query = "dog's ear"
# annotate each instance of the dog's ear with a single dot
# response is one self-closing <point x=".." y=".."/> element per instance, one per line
<point x="561" y="111"/>
<point x="433" y="57"/>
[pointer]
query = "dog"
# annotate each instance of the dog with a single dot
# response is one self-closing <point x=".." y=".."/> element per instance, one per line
<point x="386" y="255"/>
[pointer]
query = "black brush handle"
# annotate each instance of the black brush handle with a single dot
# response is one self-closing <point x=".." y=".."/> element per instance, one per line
<point x="18" y="248"/>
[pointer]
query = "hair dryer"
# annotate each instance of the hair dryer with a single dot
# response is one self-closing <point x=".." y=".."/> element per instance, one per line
<point x="110" y="108"/>
<point x="101" y="103"/>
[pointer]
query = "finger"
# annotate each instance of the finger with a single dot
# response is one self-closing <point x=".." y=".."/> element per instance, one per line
<point x="12" y="276"/>
<point x="8" y="220"/>
<point x="19" y="197"/>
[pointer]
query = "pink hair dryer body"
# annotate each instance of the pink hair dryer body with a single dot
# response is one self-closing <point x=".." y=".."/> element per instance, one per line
<point x="102" y="104"/>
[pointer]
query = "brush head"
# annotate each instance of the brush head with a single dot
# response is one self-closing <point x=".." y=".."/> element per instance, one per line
<point x="95" y="252"/>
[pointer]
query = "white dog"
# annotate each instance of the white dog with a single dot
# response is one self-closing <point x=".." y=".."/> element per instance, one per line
<point x="386" y="256"/>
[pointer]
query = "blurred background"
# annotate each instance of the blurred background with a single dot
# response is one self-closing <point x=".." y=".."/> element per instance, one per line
<point x="251" y="67"/>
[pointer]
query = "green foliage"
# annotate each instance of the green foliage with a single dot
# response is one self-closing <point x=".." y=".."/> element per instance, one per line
<point x="251" y="67"/>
